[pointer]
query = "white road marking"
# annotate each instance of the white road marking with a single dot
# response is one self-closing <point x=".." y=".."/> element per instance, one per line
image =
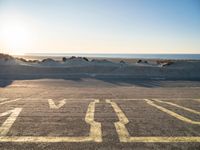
<point x="52" y="104"/>
<point x="95" y="134"/>
<point x="127" y="99"/>
<point x="4" y="129"/>
<point x="176" y="105"/>
<point x="10" y="101"/>
<point x="124" y="135"/>
<point x="171" y="113"/>
<point x="3" y="99"/>
<point x="198" y="100"/>
<point x="120" y="125"/>
<point x="95" y="129"/>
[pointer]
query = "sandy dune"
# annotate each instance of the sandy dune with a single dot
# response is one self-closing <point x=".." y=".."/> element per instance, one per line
<point x="11" y="67"/>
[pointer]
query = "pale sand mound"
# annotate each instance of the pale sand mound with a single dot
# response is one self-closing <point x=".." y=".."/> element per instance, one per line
<point x="77" y="66"/>
<point x="7" y="60"/>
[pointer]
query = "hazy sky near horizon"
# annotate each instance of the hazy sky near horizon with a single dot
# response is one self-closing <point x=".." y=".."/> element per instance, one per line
<point x="100" y="26"/>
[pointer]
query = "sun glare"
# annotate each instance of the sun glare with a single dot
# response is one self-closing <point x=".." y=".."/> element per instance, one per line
<point x="16" y="36"/>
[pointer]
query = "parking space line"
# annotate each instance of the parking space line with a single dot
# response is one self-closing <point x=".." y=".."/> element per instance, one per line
<point x="120" y="125"/>
<point x="198" y="100"/>
<point x="171" y="113"/>
<point x="124" y="135"/>
<point x="127" y="99"/>
<point x="5" y="127"/>
<point x="10" y="101"/>
<point x="43" y="139"/>
<point x="3" y="99"/>
<point x="52" y="104"/>
<point x="95" y="129"/>
<point x="176" y="105"/>
<point x="95" y="134"/>
<point x="160" y="139"/>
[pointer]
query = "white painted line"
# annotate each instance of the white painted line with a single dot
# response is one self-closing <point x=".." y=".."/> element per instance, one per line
<point x="176" y="105"/>
<point x="52" y="104"/>
<point x="73" y="99"/>
<point x="3" y="99"/>
<point x="95" y="134"/>
<point x="134" y="99"/>
<point x="161" y="139"/>
<point x="10" y="101"/>
<point x="4" y="129"/>
<point x="120" y="125"/>
<point x="124" y="135"/>
<point x="197" y="100"/>
<point x="95" y="129"/>
<point x="42" y="139"/>
<point x="137" y="99"/>
<point x="171" y="113"/>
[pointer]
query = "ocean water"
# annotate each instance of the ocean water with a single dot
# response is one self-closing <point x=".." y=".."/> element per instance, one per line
<point x="136" y="56"/>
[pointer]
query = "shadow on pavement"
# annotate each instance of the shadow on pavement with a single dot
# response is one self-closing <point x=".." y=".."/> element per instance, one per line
<point x="110" y="82"/>
<point x="5" y="83"/>
<point x="9" y="74"/>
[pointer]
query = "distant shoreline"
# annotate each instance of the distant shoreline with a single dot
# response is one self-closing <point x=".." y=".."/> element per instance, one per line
<point x="118" y="56"/>
<point x="86" y="67"/>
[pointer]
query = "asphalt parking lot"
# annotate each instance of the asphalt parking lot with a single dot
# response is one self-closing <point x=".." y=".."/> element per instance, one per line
<point x="35" y="115"/>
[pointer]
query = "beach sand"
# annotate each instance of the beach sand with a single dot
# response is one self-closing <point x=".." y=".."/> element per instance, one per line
<point x="79" y="67"/>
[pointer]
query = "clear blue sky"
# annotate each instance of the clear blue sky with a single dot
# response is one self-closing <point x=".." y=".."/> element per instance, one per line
<point x="101" y="26"/>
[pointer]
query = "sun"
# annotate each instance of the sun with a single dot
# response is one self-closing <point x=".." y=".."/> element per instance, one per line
<point x="16" y="36"/>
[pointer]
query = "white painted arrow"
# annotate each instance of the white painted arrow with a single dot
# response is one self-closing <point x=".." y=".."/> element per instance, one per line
<point x="52" y="104"/>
